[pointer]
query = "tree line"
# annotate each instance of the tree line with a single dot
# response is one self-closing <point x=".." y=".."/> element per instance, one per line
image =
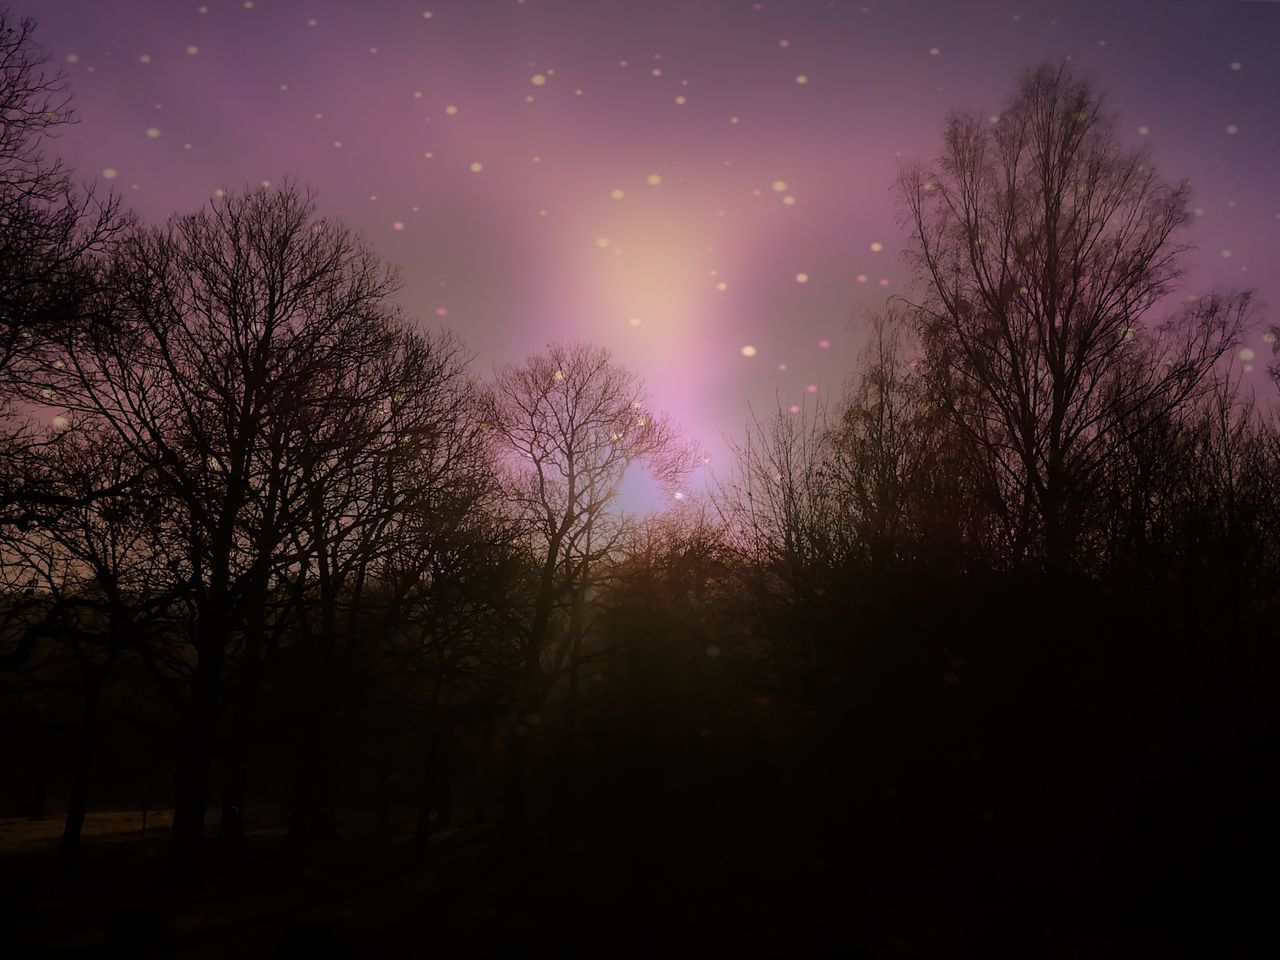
<point x="306" y="558"/>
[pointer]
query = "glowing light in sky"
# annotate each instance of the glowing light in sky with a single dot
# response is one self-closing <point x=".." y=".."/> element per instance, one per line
<point x="650" y="155"/>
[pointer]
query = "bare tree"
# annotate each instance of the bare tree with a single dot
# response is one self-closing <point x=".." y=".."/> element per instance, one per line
<point x="51" y="234"/>
<point x="1044" y="246"/>
<point x="100" y="564"/>
<point x="570" y="423"/>
<point x="779" y="505"/>
<point x="883" y="442"/>
<point x="225" y="327"/>
<point x="389" y="475"/>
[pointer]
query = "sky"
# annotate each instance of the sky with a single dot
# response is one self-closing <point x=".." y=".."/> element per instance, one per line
<point x="702" y="186"/>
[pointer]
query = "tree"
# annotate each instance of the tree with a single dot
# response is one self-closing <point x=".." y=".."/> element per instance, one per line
<point x="881" y="445"/>
<point x="569" y="424"/>
<point x="1044" y="246"/>
<point x="388" y="476"/>
<point x="100" y="566"/>
<point x="781" y="507"/>
<point x="52" y="233"/>
<point x="224" y="331"/>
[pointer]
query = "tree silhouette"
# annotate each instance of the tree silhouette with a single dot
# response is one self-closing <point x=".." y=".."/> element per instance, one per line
<point x="225" y="330"/>
<point x="1043" y="247"/>
<point x="53" y="232"/>
<point x="570" y="423"/>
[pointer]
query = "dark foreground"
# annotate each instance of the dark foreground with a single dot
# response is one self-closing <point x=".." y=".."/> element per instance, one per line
<point x="1117" y="867"/>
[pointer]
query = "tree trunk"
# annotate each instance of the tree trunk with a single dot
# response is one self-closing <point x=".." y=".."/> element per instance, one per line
<point x="444" y="806"/>
<point x="430" y="771"/>
<point x="78" y="800"/>
<point x="234" y="796"/>
<point x="191" y="783"/>
<point x="312" y="820"/>
<point x="384" y="804"/>
<point x="564" y="773"/>
<point x="527" y="702"/>
<point x="515" y="829"/>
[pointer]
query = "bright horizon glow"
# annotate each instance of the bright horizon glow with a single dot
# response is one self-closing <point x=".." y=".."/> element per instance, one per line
<point x="488" y="150"/>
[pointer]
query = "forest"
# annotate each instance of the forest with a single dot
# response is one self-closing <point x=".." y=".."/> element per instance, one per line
<point x="317" y="634"/>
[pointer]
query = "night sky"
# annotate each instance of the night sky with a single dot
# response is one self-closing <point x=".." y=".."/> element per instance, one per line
<point x="703" y="186"/>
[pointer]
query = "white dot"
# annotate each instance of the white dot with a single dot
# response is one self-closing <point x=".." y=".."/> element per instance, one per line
<point x="73" y="58"/>
<point x="110" y="173"/>
<point x="779" y="186"/>
<point x="476" y="166"/>
<point x="789" y="201"/>
<point x="397" y="225"/>
<point x="1246" y="354"/>
<point x="1143" y="131"/>
<point x="602" y="242"/>
<point x="451" y="110"/>
<point x="1226" y="254"/>
<point x="681" y="100"/>
<point x="153" y="132"/>
<point x="934" y="51"/>
<point x="748" y="351"/>
<point x="802" y="79"/>
<point x="654" y="179"/>
<point x="538" y="79"/>
<point x="427" y="14"/>
<point x="802" y="278"/>
<point x="634" y="321"/>
<point x="1237" y="66"/>
<point x="877" y="246"/>
<point x="617" y="194"/>
<point x="192" y="50"/>
<point x="145" y="58"/>
<point x="1232" y="128"/>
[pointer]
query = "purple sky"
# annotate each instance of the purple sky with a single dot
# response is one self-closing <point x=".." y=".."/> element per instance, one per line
<point x="673" y="179"/>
